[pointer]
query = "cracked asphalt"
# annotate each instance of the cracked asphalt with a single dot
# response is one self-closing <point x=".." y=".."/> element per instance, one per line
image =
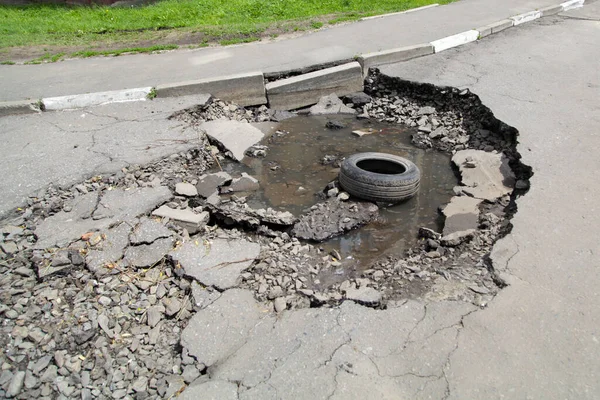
<point x="64" y="148"/>
<point x="538" y="339"/>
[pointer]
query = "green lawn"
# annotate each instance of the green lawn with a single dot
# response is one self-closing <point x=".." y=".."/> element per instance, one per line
<point x="225" y="21"/>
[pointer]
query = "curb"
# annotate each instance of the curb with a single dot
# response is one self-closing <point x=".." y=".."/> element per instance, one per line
<point x="399" y="13"/>
<point x="243" y="89"/>
<point x="20" y="107"/>
<point x="95" y="99"/>
<point x="304" y="90"/>
<point x="250" y="89"/>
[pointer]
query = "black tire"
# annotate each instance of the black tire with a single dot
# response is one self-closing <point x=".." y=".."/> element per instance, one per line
<point x="379" y="177"/>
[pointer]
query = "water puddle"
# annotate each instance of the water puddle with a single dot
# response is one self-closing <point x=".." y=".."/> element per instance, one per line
<point x="302" y="161"/>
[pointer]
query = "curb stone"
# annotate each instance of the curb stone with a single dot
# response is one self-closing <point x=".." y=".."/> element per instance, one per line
<point x="95" y="99"/>
<point x="19" y="107"/>
<point x="455" y="40"/>
<point x="394" y="55"/>
<point x="305" y="90"/>
<point x="255" y="92"/>
<point x="244" y="89"/>
<point x="399" y="13"/>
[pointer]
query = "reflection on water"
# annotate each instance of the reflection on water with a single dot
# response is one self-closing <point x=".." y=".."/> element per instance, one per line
<point x="293" y="172"/>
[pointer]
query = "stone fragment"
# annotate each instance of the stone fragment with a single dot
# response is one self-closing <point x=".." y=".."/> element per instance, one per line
<point x="186" y="189"/>
<point x="330" y="105"/>
<point x="282" y="115"/>
<point x="187" y="218"/>
<point x="233" y="136"/>
<point x="280" y="304"/>
<point x="235" y="213"/>
<point x="485" y="175"/>
<point x="16" y="384"/>
<point x="109" y="251"/>
<point x="364" y="295"/>
<point x="147" y="231"/>
<point x="9" y="247"/>
<point x="332" y="218"/>
<point x="212" y="389"/>
<point x="333" y="124"/>
<point x="172" y="306"/>
<point x="190" y="373"/>
<point x="230" y="318"/>
<point x="210" y="183"/>
<point x="426" y="110"/>
<point x="140" y="384"/>
<point x="103" y="322"/>
<point x="147" y="255"/>
<point x="154" y="315"/>
<point x="438" y="133"/>
<point x="456" y="238"/>
<point x="358" y="99"/>
<point x="217" y="263"/>
<point x="124" y="205"/>
<point x="462" y="213"/>
<point x="246" y="183"/>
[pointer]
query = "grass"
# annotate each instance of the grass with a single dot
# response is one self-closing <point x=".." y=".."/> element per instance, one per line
<point x="224" y="21"/>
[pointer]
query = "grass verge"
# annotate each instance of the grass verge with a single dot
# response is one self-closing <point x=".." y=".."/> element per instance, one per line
<point x="112" y="30"/>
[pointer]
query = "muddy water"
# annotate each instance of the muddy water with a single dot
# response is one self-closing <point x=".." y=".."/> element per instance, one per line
<point x="293" y="172"/>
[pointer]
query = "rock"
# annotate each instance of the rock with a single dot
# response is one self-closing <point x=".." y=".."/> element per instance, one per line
<point x="30" y="380"/>
<point x="231" y="319"/>
<point x="172" y="306"/>
<point x="154" y="315"/>
<point x="281" y="115"/>
<point x="280" y="304"/>
<point x="217" y="263"/>
<point x="522" y="184"/>
<point x="147" y="255"/>
<point x="187" y="218"/>
<point x="364" y="295"/>
<point x="186" y="189"/>
<point x="124" y="205"/>
<point x="233" y="136"/>
<point x="486" y="176"/>
<point x="246" y="183"/>
<point x="428" y="233"/>
<point x="212" y="389"/>
<point x="332" y="218"/>
<point x="236" y="213"/>
<point x="16" y="384"/>
<point x="330" y="105"/>
<point x="109" y="251"/>
<point x="426" y="111"/>
<point x="333" y="124"/>
<point x="456" y="238"/>
<point x="147" y="231"/>
<point x="140" y="384"/>
<point x="9" y="247"/>
<point x="210" y="183"/>
<point x="82" y="336"/>
<point x="439" y="133"/>
<point x="462" y="213"/>
<point x="358" y="99"/>
<point x="41" y="364"/>
<point x="103" y="322"/>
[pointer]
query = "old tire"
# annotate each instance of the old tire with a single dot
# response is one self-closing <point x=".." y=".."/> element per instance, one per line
<point x="379" y="177"/>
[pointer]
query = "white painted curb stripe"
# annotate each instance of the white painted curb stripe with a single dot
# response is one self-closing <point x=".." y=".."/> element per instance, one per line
<point x="526" y="17"/>
<point x="95" y="99"/>
<point x="569" y="5"/>
<point x="455" y="40"/>
<point x="400" y="13"/>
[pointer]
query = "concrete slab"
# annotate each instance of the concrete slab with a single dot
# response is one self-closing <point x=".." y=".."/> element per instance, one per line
<point x="233" y="136"/>
<point x="217" y="262"/>
<point x="462" y="213"/>
<point x="484" y="175"/>
<point x="307" y="89"/>
<point x="247" y="89"/>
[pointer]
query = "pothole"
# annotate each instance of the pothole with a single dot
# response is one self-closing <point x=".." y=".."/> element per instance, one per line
<point x="100" y="279"/>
